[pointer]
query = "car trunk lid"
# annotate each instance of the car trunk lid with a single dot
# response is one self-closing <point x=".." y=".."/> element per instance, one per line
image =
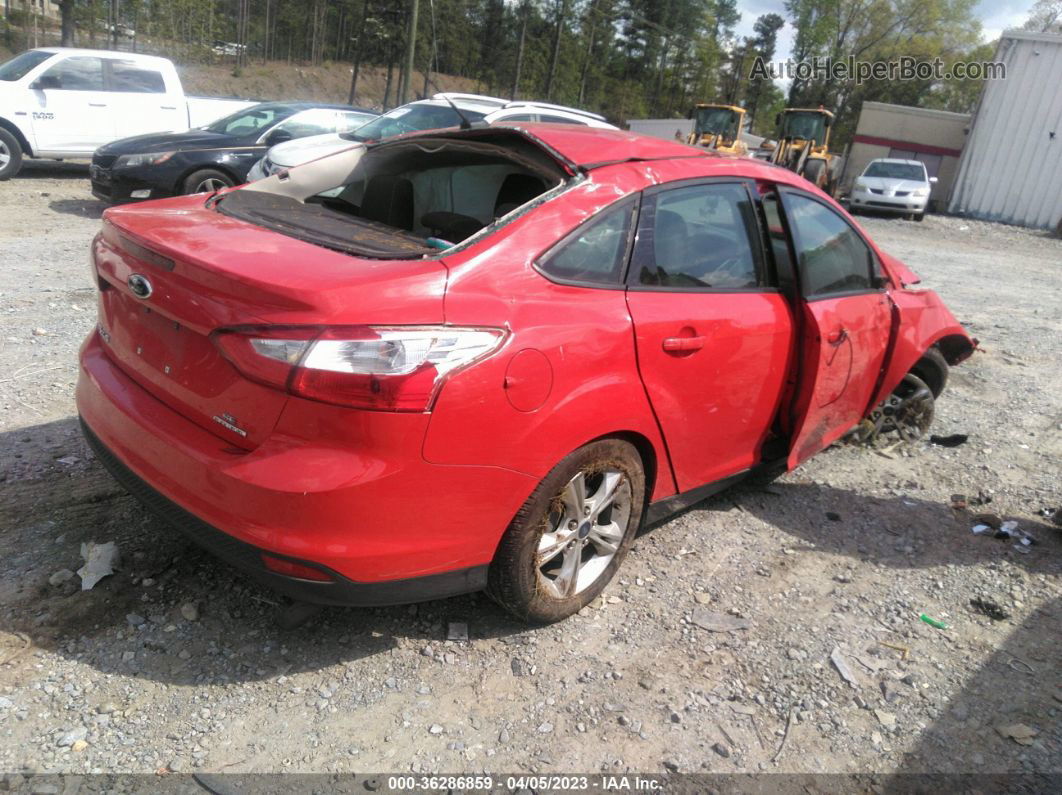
<point x="172" y="273"/>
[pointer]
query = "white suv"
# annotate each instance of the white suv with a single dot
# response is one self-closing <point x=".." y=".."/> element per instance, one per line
<point x="442" y="110"/>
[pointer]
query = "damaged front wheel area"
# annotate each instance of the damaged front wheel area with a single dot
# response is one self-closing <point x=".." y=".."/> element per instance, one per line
<point x="907" y="412"/>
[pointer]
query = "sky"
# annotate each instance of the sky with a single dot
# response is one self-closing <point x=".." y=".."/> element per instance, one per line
<point x="996" y="16"/>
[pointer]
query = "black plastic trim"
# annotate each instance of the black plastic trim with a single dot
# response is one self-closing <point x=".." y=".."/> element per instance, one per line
<point x="247" y="557"/>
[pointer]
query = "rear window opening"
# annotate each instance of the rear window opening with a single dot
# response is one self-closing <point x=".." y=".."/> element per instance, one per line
<point x="402" y="200"/>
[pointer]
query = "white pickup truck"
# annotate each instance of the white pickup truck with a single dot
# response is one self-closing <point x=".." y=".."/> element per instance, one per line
<point x="57" y="102"/>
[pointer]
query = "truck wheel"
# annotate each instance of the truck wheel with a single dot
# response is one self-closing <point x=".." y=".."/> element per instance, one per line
<point x="572" y="534"/>
<point x="207" y="180"/>
<point x="814" y="172"/>
<point x="10" y="155"/>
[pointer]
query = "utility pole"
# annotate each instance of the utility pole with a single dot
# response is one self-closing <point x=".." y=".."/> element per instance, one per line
<point x="411" y="48"/>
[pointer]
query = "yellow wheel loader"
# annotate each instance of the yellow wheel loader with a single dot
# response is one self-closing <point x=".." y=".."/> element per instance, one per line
<point x="718" y="127"/>
<point x="804" y="145"/>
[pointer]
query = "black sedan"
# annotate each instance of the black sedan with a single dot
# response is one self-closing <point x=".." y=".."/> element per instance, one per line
<point x="212" y="157"/>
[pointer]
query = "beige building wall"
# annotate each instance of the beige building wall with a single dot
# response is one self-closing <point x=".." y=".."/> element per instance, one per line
<point x="935" y="137"/>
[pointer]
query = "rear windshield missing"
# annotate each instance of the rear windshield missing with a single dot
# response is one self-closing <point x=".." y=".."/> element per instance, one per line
<point x="407" y="199"/>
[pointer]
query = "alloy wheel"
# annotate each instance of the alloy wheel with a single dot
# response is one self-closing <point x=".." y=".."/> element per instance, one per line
<point x="584" y="530"/>
<point x="5" y="155"/>
<point x="210" y="185"/>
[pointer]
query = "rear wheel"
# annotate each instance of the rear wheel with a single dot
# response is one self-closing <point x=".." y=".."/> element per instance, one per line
<point x="920" y="216"/>
<point x="207" y="180"/>
<point x="570" y="537"/>
<point x="10" y="155"/>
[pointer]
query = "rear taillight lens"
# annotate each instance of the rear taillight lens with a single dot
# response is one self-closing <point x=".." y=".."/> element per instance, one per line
<point x="394" y="368"/>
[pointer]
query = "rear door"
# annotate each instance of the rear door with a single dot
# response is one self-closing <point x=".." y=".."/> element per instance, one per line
<point x="847" y="318"/>
<point x="72" y="112"/>
<point x="139" y="97"/>
<point x="713" y="334"/>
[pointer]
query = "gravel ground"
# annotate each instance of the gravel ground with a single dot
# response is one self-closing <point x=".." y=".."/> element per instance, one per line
<point x="173" y="664"/>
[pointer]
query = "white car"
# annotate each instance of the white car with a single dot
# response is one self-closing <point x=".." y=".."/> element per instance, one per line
<point x="891" y="185"/>
<point x="442" y="110"/>
<point x="59" y="102"/>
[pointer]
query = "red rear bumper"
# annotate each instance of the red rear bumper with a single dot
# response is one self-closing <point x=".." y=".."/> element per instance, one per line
<point x="346" y="492"/>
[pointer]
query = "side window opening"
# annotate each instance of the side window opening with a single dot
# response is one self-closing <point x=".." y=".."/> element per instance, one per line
<point x="128" y="76"/>
<point x="698" y="237"/>
<point x="833" y="257"/>
<point x="595" y="252"/>
<point x="77" y="73"/>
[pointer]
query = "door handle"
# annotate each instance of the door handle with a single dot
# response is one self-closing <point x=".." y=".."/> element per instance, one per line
<point x="168" y="107"/>
<point x="97" y="105"/>
<point x="682" y="344"/>
<point x="838" y="336"/>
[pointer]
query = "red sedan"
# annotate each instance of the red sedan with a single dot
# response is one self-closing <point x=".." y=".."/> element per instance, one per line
<point x="482" y="359"/>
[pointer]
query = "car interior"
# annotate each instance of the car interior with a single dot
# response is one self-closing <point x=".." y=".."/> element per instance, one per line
<point x="419" y="194"/>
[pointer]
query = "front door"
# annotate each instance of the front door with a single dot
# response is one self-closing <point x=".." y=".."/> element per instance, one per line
<point x="713" y="335"/>
<point x="72" y="112"/>
<point x="847" y="324"/>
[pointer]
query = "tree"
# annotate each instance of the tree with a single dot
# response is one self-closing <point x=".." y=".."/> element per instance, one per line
<point x="66" y="12"/>
<point x="1045" y="17"/>
<point x="764" y="45"/>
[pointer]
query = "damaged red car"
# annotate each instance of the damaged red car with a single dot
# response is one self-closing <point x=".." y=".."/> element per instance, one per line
<point x="484" y="358"/>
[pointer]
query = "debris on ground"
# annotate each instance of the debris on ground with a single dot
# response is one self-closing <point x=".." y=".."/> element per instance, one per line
<point x="1019" y="733"/>
<point x="1011" y="530"/>
<point x="954" y="440"/>
<point x="958" y="502"/>
<point x="100" y="560"/>
<point x="458" y="630"/>
<point x="987" y="607"/>
<point x="933" y="622"/>
<point x="839" y="662"/>
<point x="718" y="622"/>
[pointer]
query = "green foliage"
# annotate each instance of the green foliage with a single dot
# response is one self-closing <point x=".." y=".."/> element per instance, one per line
<point x="625" y="58"/>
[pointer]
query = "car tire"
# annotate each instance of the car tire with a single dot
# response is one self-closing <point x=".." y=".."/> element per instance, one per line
<point x="920" y="217"/>
<point x="206" y="180"/>
<point x="568" y="539"/>
<point x="10" y="155"/>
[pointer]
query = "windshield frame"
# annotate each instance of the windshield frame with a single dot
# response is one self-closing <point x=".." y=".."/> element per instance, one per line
<point x="820" y="125"/>
<point x="360" y="135"/>
<point x="923" y="176"/>
<point x="28" y="55"/>
<point x="218" y="125"/>
<point x="700" y="121"/>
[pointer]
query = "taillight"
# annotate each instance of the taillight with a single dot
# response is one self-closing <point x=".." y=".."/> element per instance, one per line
<point x="393" y="368"/>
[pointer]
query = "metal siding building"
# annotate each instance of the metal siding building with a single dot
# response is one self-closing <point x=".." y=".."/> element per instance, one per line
<point x="1011" y="167"/>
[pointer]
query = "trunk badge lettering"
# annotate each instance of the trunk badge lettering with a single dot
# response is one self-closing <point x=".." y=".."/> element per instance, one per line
<point x="139" y="285"/>
<point x="228" y="421"/>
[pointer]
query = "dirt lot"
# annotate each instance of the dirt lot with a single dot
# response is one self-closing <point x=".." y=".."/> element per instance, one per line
<point x="176" y="664"/>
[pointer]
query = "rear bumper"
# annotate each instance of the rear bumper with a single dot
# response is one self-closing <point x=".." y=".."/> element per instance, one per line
<point x="386" y="525"/>
<point x="248" y="558"/>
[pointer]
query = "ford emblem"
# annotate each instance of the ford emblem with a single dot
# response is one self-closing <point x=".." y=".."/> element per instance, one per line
<point x="139" y="285"/>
